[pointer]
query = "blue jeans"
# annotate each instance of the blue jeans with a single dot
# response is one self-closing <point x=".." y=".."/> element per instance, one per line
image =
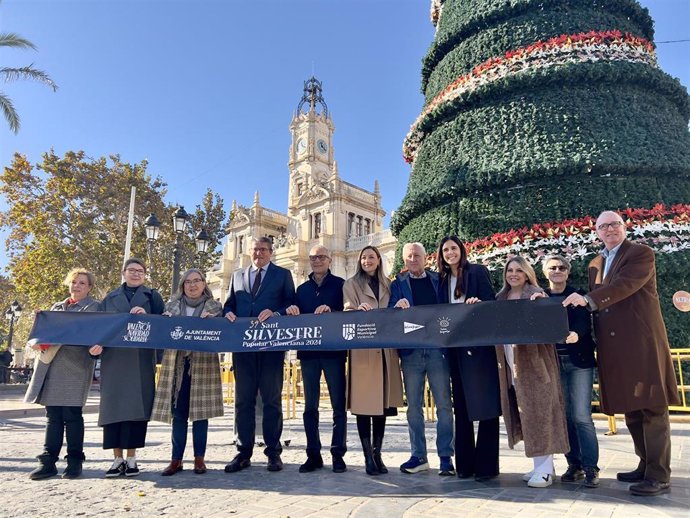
<point x="334" y="371"/>
<point x="577" y="392"/>
<point x="180" y="414"/>
<point x="417" y="365"/>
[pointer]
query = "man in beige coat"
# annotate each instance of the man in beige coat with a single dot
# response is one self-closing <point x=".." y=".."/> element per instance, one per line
<point x="636" y="375"/>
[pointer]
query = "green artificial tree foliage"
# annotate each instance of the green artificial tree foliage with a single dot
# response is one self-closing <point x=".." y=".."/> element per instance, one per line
<point x="538" y="112"/>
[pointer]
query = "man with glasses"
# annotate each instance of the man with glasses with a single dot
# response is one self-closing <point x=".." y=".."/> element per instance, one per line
<point x="636" y="375"/>
<point x="322" y="293"/>
<point x="261" y="290"/>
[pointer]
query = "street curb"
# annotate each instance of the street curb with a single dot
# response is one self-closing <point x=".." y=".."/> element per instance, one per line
<point x="18" y="413"/>
<point x="13" y="387"/>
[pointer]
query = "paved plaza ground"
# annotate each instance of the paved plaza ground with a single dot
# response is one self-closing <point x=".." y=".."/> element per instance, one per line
<point x="256" y="492"/>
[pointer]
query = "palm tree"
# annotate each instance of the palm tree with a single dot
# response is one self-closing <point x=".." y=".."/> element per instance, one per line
<point x="12" y="74"/>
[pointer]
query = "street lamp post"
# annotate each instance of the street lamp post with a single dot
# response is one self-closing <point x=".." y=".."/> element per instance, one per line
<point x="202" y="241"/>
<point x="152" y="226"/>
<point x="13" y="313"/>
<point x="180" y="218"/>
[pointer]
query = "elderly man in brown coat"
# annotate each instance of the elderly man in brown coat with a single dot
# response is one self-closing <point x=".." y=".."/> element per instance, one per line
<point x="636" y="375"/>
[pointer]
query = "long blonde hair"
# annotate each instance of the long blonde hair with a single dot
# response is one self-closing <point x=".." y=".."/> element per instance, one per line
<point x="526" y="267"/>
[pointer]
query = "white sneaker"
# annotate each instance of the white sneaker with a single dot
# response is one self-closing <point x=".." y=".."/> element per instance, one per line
<point x="527" y="476"/>
<point x="117" y="469"/>
<point x="131" y="469"/>
<point x="540" y="480"/>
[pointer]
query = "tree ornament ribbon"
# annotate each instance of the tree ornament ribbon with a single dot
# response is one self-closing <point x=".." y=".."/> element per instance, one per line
<point x="585" y="47"/>
<point x="664" y="229"/>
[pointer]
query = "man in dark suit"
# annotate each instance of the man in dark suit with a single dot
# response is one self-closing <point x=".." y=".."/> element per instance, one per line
<point x="261" y="290"/>
<point x="636" y="375"/>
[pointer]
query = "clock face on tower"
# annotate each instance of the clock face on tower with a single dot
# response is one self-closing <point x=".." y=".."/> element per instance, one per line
<point x="322" y="146"/>
<point x="301" y="146"/>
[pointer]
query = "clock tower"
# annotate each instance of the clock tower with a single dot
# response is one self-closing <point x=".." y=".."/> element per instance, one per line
<point x="323" y="209"/>
<point x="311" y="162"/>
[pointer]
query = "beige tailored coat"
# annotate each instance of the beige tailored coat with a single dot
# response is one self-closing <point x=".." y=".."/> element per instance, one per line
<point x="635" y="366"/>
<point x="533" y="410"/>
<point x="370" y="387"/>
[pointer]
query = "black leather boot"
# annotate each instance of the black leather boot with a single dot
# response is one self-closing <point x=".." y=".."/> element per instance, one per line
<point x="46" y="467"/>
<point x="74" y="464"/>
<point x="369" y="464"/>
<point x="380" y="466"/>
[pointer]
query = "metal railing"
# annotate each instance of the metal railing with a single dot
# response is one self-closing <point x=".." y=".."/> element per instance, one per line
<point x="375" y="239"/>
<point x="293" y="389"/>
<point x="681" y="357"/>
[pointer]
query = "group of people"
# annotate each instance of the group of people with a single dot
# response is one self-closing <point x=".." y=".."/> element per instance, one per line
<point x="543" y="391"/>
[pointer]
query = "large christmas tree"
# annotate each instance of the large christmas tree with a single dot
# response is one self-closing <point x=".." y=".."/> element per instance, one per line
<point x="538" y="115"/>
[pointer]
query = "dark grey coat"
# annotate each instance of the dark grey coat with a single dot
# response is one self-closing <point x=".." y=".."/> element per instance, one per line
<point x="66" y="380"/>
<point x="128" y="375"/>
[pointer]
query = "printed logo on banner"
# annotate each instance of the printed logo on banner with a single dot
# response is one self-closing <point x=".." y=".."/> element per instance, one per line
<point x="444" y="325"/>
<point x="348" y="331"/>
<point x="408" y="327"/>
<point x="137" y="332"/>
<point x="271" y="334"/>
<point x="195" y="335"/>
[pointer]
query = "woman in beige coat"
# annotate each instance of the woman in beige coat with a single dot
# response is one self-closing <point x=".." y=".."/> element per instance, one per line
<point x="374" y="381"/>
<point x="531" y="395"/>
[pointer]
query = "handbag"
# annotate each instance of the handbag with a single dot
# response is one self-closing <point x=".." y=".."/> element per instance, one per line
<point x="47" y="355"/>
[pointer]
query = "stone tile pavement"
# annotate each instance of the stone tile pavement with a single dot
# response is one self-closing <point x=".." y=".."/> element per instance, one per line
<point x="256" y="492"/>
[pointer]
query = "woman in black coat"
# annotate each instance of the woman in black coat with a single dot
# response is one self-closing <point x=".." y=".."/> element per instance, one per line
<point x="127" y="374"/>
<point x="473" y="370"/>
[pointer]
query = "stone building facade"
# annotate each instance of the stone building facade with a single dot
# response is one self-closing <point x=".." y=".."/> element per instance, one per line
<point x="322" y="208"/>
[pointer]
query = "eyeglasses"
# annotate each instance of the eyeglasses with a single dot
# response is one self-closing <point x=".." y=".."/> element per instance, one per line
<point x="610" y="226"/>
<point x="560" y="268"/>
<point x="134" y="271"/>
<point x="190" y="282"/>
<point x="313" y="258"/>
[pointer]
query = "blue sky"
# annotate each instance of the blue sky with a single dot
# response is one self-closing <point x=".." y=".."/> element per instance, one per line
<point x="205" y="89"/>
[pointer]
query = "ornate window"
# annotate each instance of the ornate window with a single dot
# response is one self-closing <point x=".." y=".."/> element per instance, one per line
<point x="316" y="225"/>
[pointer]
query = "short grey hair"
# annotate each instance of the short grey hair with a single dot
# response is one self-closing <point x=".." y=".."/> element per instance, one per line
<point x="420" y="245"/>
<point x="554" y="257"/>
<point x="265" y="240"/>
<point x="321" y="247"/>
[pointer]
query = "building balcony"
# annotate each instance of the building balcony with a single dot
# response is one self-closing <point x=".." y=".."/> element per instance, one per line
<point x="375" y="239"/>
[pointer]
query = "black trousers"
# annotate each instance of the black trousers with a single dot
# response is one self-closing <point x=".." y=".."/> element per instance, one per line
<point x="651" y="433"/>
<point x="61" y="421"/>
<point x="253" y="372"/>
<point x="334" y="372"/>
<point x="480" y="458"/>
